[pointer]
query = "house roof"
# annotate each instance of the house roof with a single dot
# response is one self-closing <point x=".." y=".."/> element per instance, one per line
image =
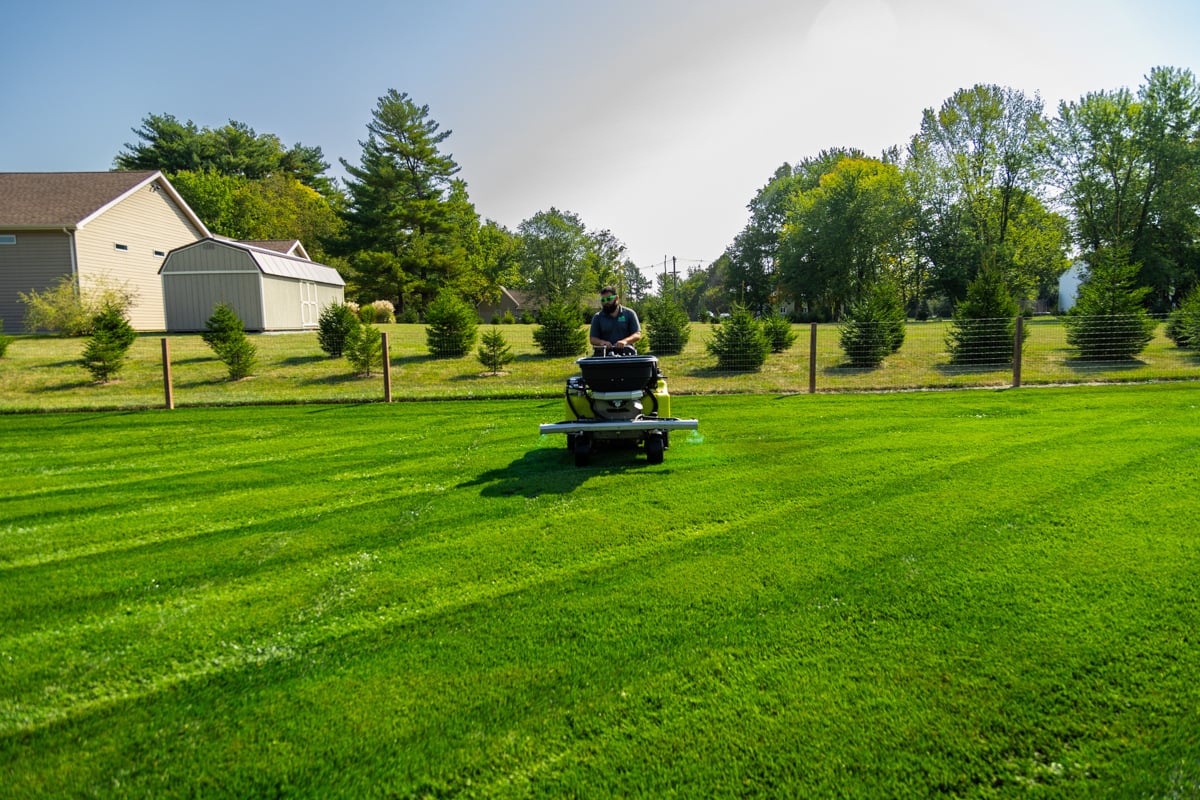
<point x="270" y="262"/>
<point x="72" y="199"/>
<point x="289" y="247"/>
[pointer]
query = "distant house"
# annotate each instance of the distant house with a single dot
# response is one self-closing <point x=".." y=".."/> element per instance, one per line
<point x="269" y="290"/>
<point x="510" y="300"/>
<point x="97" y="228"/>
<point x="1069" y="283"/>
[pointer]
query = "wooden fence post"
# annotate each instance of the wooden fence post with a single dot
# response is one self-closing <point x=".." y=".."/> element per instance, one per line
<point x="1017" y="347"/>
<point x="812" y="360"/>
<point x="168" y="390"/>
<point x="387" y="370"/>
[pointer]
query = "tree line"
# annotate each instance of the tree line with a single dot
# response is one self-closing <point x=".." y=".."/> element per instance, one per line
<point x="991" y="190"/>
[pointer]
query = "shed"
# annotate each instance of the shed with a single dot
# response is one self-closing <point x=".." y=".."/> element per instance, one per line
<point x="268" y="290"/>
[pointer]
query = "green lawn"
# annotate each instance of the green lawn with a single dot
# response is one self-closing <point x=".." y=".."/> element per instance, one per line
<point x="43" y="373"/>
<point x="971" y="594"/>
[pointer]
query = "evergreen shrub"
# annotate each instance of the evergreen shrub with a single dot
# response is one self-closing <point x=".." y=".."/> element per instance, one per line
<point x="1108" y="321"/>
<point x="874" y="328"/>
<point x="335" y="325"/>
<point x="111" y="338"/>
<point x="494" y="351"/>
<point x="739" y="342"/>
<point x="984" y="324"/>
<point x="667" y="327"/>
<point x="560" y="332"/>
<point x="364" y="349"/>
<point x="450" y="326"/>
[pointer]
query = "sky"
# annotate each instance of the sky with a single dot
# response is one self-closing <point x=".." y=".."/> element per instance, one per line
<point x="657" y="120"/>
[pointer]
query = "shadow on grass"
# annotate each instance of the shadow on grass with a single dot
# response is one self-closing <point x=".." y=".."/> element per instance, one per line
<point x="949" y="368"/>
<point x="550" y="469"/>
<point x="1077" y="364"/>
<point x="299" y="361"/>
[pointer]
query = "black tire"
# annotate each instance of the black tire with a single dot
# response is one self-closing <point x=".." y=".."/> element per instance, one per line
<point x="582" y="447"/>
<point x="654" y="448"/>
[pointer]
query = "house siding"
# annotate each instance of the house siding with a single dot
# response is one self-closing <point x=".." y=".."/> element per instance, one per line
<point x="33" y="263"/>
<point x="145" y="221"/>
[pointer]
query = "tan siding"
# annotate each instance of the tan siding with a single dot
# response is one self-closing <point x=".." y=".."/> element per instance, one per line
<point x="146" y="221"/>
<point x="37" y="260"/>
<point x="190" y="299"/>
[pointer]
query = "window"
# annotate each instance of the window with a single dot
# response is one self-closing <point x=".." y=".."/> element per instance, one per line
<point x="124" y="248"/>
<point x="8" y="238"/>
<point x="159" y="254"/>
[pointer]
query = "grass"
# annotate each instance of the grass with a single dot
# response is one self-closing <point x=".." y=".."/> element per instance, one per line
<point x="974" y="594"/>
<point x="42" y="373"/>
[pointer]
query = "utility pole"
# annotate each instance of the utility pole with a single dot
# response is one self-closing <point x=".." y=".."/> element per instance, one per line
<point x="674" y="281"/>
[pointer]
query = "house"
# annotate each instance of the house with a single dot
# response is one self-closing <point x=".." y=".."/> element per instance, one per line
<point x="269" y="290"/>
<point x="1069" y="283"/>
<point x="99" y="228"/>
<point x="511" y="300"/>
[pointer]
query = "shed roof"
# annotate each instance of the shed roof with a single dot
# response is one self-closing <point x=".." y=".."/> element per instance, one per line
<point x="270" y="262"/>
<point x="72" y="199"/>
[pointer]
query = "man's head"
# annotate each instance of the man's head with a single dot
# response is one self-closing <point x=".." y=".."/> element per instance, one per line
<point x="609" y="299"/>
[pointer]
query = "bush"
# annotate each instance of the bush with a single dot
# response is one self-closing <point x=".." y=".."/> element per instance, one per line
<point x="984" y="324"/>
<point x="667" y="327"/>
<point x="560" y="332"/>
<point x="364" y="349"/>
<point x="874" y="328"/>
<point x="778" y="330"/>
<point x="450" y="326"/>
<point x="739" y="342"/>
<point x="1183" y="326"/>
<point x="494" y="351"/>
<point x="112" y="336"/>
<point x="508" y="318"/>
<point x="527" y="318"/>
<point x="335" y="326"/>
<point x="64" y="309"/>
<point x="1108" y="321"/>
<point x="5" y="341"/>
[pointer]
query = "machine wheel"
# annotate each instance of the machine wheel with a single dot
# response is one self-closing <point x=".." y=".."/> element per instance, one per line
<point x="654" y="448"/>
<point x="581" y="446"/>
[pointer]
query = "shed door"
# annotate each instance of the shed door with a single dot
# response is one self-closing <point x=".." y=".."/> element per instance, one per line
<point x="308" y="304"/>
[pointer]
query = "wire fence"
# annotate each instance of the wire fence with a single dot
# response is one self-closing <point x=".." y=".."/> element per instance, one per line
<point x="44" y="373"/>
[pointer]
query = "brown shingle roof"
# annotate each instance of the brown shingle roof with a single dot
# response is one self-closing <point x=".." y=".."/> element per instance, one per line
<point x="285" y="246"/>
<point x="53" y="199"/>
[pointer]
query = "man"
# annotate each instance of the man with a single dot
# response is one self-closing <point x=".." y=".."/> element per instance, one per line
<point x="614" y="326"/>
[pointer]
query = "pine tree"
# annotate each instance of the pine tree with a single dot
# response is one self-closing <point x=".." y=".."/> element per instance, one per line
<point x="984" y="323"/>
<point x="364" y="349"/>
<point x="221" y="326"/>
<point x="111" y="338"/>
<point x="1108" y="321"/>
<point x="450" y="326"/>
<point x="334" y="326"/>
<point x="875" y="327"/>
<point x="494" y="350"/>
<point x="560" y="331"/>
<point x="739" y="342"/>
<point x="667" y="327"/>
<point x="400" y="228"/>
